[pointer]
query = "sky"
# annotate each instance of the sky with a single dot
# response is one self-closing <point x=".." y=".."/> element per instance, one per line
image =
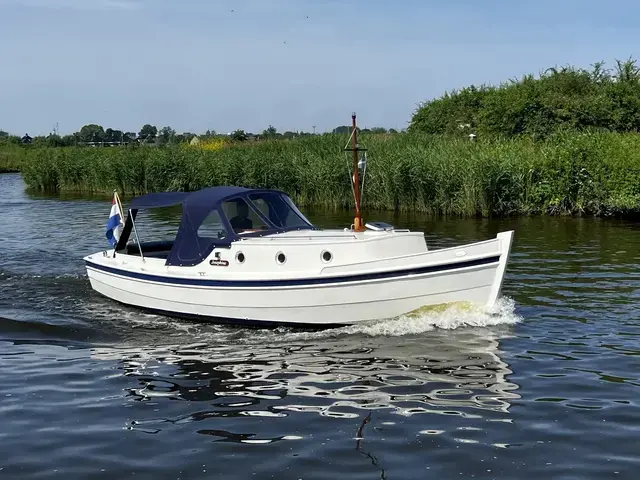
<point x="222" y="65"/>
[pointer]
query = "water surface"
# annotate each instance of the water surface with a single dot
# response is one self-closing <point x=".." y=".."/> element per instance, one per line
<point x="547" y="387"/>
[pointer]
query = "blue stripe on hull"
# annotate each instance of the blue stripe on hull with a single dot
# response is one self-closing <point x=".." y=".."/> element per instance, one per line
<point x="297" y="282"/>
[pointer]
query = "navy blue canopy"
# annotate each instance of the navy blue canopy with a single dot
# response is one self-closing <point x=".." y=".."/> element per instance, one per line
<point x="189" y="248"/>
<point x="206" y="196"/>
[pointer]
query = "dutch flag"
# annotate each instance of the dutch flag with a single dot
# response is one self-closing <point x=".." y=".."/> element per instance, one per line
<point x="115" y="223"/>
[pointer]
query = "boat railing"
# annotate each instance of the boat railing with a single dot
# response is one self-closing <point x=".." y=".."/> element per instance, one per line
<point x="309" y="237"/>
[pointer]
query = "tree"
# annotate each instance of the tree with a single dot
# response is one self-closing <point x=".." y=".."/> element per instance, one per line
<point x="270" y="132"/>
<point x="129" y="137"/>
<point x="343" y="129"/>
<point x="3" y="134"/>
<point x="91" y="133"/>
<point x="148" y="132"/>
<point x="627" y="71"/>
<point x="53" y="140"/>
<point x="166" y="135"/>
<point x="69" y="140"/>
<point x="560" y="98"/>
<point x="378" y="130"/>
<point x="239" y="135"/>
<point x="111" y="135"/>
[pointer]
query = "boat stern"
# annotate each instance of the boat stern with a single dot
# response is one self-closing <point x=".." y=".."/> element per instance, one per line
<point x="98" y="255"/>
<point x="97" y="258"/>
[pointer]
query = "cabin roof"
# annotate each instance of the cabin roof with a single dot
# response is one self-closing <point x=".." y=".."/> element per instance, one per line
<point x="206" y="197"/>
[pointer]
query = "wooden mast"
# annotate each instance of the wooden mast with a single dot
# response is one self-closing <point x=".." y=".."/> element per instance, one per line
<point x="358" y="224"/>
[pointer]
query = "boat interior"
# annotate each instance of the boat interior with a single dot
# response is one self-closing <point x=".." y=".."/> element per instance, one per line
<point x="154" y="249"/>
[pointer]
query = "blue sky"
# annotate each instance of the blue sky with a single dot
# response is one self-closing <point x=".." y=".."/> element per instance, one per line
<point x="198" y="65"/>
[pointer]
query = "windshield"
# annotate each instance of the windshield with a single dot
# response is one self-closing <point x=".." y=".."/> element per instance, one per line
<point x="279" y="209"/>
<point x="241" y="217"/>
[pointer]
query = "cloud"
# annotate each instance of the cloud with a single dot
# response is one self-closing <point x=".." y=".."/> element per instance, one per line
<point x="76" y="4"/>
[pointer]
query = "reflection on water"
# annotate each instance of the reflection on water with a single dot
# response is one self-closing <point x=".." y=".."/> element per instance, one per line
<point x="331" y="374"/>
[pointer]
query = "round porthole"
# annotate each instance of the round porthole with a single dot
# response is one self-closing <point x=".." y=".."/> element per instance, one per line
<point x="326" y="256"/>
<point x="240" y="257"/>
<point x="281" y="258"/>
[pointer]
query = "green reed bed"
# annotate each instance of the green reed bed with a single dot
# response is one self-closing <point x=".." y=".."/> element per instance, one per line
<point x="567" y="174"/>
<point x="11" y="158"/>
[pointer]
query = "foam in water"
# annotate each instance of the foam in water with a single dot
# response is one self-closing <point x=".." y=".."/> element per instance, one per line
<point x="424" y="320"/>
<point x="447" y="317"/>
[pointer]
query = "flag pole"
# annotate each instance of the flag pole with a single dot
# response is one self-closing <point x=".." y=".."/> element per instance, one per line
<point x="120" y="211"/>
<point x="115" y="192"/>
<point x="136" y="233"/>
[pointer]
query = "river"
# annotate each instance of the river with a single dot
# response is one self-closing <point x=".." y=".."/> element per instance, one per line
<point x="546" y="388"/>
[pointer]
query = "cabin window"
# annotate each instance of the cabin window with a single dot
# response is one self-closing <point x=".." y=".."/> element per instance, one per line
<point x="242" y="217"/>
<point x="279" y="210"/>
<point x="212" y="227"/>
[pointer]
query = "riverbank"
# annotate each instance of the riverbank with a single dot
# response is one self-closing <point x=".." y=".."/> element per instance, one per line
<point x="575" y="173"/>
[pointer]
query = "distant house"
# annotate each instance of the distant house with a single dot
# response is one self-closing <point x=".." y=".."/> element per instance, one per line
<point x="26" y="140"/>
<point x="194" y="141"/>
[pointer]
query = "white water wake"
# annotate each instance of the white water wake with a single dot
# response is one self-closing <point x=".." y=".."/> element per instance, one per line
<point x="456" y="316"/>
<point x="449" y="318"/>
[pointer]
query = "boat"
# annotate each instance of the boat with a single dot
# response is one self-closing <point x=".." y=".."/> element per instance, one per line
<point x="249" y="256"/>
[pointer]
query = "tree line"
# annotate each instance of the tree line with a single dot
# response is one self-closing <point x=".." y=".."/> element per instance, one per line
<point x="566" y="98"/>
<point x="93" y="134"/>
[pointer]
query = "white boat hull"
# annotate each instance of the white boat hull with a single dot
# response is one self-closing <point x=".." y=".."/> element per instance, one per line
<point x="335" y="296"/>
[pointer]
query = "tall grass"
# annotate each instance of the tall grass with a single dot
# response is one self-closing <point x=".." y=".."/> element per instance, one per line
<point x="572" y="173"/>
<point x="11" y="157"/>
